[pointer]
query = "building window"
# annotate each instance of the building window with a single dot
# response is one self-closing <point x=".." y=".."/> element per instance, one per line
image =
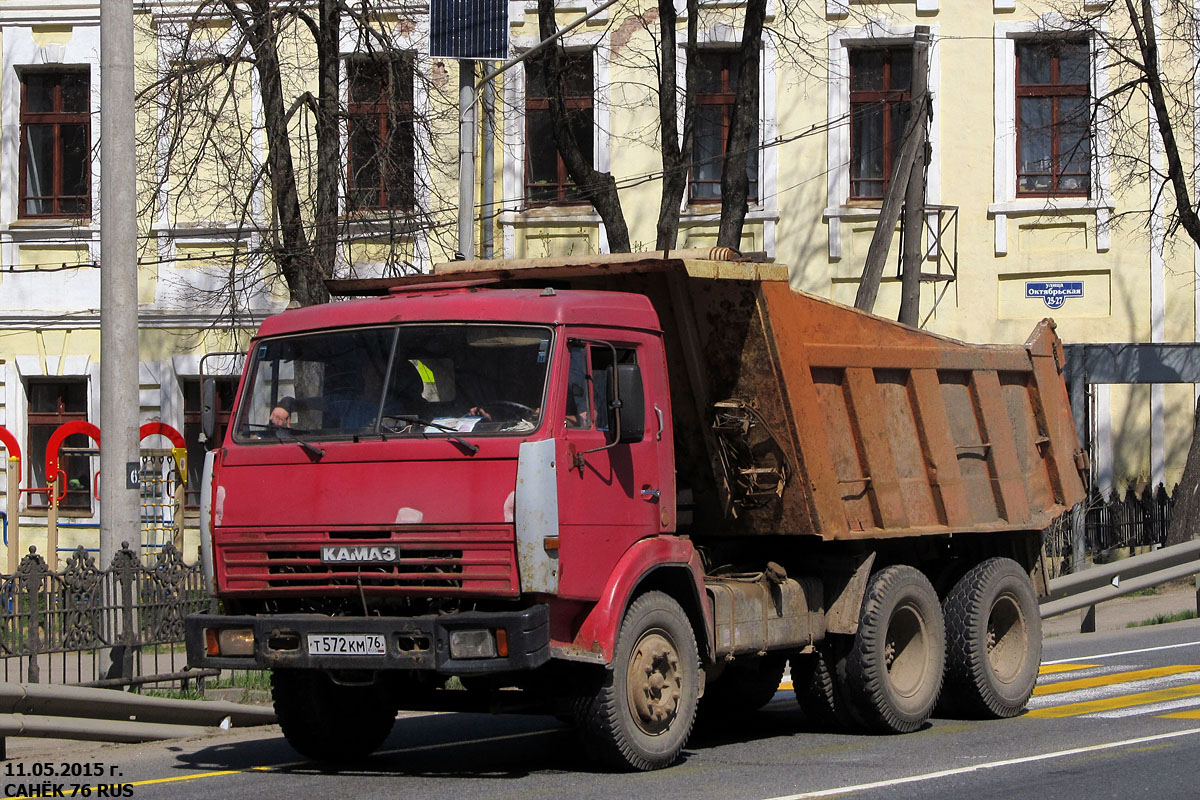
<point x="55" y="402"/>
<point x="380" y="133"/>
<point x="55" y="144"/>
<point x="226" y="388"/>
<point x="716" y="93"/>
<point x="880" y="91"/>
<point x="546" y="178"/>
<point x="1054" y="149"/>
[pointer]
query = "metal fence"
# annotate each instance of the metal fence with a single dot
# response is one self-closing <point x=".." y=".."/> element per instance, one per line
<point x="1111" y="524"/>
<point x="118" y="626"/>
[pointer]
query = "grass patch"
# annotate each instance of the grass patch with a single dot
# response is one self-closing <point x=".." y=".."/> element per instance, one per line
<point x="1159" y="619"/>
<point x="1149" y="591"/>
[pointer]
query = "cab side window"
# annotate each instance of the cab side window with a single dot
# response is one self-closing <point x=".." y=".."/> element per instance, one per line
<point x="588" y="374"/>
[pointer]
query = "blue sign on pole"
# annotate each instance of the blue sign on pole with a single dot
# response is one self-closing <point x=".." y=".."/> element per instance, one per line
<point x="1053" y="293"/>
<point x="468" y="29"/>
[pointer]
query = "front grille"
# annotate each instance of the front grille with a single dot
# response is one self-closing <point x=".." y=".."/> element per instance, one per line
<point x="437" y="563"/>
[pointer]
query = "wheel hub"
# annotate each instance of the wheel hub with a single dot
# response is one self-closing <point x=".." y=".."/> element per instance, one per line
<point x="1007" y="638"/>
<point x="654" y="682"/>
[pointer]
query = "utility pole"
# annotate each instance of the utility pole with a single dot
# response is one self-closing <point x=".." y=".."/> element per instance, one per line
<point x="889" y="213"/>
<point x="913" y="223"/>
<point x="466" y="158"/>
<point x="119" y="496"/>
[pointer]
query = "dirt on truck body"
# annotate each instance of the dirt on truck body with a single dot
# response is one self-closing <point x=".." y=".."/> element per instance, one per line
<point x="708" y="476"/>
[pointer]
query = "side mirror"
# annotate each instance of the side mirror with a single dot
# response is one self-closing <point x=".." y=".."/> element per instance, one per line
<point x="208" y="412"/>
<point x="630" y="416"/>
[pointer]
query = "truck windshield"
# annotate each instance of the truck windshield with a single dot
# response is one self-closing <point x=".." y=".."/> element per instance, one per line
<point x="406" y="380"/>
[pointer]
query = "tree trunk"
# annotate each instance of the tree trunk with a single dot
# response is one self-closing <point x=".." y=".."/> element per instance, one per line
<point x="676" y="150"/>
<point x="743" y="127"/>
<point x="292" y="249"/>
<point x="329" y="159"/>
<point x="599" y="187"/>
<point x="1185" y="514"/>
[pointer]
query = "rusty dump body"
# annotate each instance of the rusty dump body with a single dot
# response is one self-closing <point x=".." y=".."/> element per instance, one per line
<point x="797" y="415"/>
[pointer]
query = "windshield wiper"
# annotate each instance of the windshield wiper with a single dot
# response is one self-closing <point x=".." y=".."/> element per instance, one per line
<point x="314" y="453"/>
<point x="471" y="449"/>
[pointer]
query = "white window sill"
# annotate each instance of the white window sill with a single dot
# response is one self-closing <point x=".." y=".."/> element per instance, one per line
<point x="53" y="227"/>
<point x="552" y="215"/>
<point x="1038" y="206"/>
<point x="700" y="215"/>
<point x="1029" y="206"/>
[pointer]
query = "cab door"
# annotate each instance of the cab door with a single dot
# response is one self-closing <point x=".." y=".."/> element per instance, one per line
<point x="609" y="495"/>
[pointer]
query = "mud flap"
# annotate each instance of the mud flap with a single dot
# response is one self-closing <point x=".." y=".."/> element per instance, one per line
<point x="535" y="515"/>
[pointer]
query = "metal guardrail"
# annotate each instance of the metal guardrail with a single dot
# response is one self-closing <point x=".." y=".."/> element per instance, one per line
<point x="106" y="715"/>
<point x="1098" y="584"/>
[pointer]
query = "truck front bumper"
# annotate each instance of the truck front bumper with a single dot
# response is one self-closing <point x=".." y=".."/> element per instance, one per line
<point x="282" y="641"/>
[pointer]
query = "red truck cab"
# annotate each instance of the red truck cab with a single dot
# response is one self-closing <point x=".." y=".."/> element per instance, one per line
<point x="440" y="480"/>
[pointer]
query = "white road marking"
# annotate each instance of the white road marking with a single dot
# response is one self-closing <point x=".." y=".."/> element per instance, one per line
<point x="1112" y="690"/>
<point x="1153" y="708"/>
<point x="1123" y="653"/>
<point x="946" y="773"/>
<point x="1075" y="674"/>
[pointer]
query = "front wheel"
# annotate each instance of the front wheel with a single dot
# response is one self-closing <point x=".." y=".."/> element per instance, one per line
<point x="993" y="641"/>
<point x="641" y="715"/>
<point x="326" y="721"/>
<point x="894" y="670"/>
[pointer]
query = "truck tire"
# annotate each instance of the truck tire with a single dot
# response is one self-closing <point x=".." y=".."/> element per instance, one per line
<point x="642" y="713"/>
<point x="326" y="721"/>
<point x="819" y="693"/>
<point x="745" y="686"/>
<point x="993" y="641"/>
<point x="893" y="672"/>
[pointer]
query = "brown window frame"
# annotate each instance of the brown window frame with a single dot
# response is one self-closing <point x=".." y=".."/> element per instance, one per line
<point x="725" y="98"/>
<point x="71" y="502"/>
<point x="390" y="112"/>
<point x="564" y="188"/>
<point x="888" y="98"/>
<point x="57" y="118"/>
<point x="1052" y="91"/>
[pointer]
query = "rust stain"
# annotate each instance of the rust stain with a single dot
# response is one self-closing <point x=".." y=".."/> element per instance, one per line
<point x="441" y="76"/>
<point x="630" y="26"/>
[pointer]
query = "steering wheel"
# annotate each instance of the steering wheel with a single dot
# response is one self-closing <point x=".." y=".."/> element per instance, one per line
<point x="523" y="411"/>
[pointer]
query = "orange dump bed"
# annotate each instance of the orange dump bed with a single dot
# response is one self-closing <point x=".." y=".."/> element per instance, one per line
<point x="796" y="415"/>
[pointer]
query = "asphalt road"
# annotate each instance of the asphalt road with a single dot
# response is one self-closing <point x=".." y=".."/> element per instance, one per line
<point x="1116" y="715"/>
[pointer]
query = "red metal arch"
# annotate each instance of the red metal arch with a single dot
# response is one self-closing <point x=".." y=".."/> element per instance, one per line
<point x="10" y="442"/>
<point x="56" y="440"/>
<point x="162" y="429"/>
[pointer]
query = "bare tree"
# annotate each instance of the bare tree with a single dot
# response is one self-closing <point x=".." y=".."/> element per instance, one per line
<point x="743" y="130"/>
<point x="1151" y="74"/>
<point x="251" y="138"/>
<point x="675" y="141"/>
<point x="599" y="187"/>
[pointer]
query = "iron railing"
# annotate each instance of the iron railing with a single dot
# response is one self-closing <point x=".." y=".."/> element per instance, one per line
<point x="118" y="626"/>
<point x="1111" y="524"/>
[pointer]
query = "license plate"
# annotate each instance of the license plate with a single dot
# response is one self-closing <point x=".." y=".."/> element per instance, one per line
<point x="346" y="644"/>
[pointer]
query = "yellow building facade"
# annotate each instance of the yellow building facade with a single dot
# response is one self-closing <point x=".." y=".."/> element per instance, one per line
<point x="1032" y="220"/>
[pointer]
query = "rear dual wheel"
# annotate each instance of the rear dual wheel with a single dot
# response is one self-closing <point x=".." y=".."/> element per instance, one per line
<point x="994" y="641"/>
<point x="892" y="674"/>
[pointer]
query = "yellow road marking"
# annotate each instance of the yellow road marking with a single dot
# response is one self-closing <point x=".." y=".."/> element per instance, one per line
<point x="1113" y="678"/>
<point x="1124" y="701"/>
<point x="1051" y="669"/>
<point x="1193" y="714"/>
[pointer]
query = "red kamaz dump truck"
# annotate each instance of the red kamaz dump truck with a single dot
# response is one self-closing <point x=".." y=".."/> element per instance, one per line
<point x="624" y="489"/>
